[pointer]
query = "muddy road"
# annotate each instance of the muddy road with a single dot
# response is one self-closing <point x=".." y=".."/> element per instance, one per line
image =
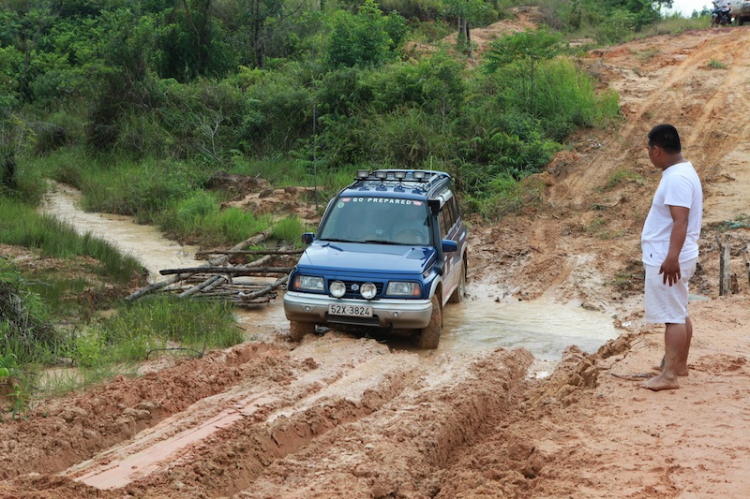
<point x="339" y="416"/>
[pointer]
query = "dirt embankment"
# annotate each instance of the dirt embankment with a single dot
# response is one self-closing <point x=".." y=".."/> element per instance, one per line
<point x="342" y="417"/>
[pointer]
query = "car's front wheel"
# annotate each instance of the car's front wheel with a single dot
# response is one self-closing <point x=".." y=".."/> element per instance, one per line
<point x="429" y="337"/>
<point x="298" y="329"/>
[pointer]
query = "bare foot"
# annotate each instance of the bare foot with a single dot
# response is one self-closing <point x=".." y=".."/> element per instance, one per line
<point x="681" y="371"/>
<point x="661" y="382"/>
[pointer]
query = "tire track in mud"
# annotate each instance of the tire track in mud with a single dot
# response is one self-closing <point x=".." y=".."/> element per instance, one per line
<point x="402" y="449"/>
<point x="229" y="438"/>
<point x="97" y="419"/>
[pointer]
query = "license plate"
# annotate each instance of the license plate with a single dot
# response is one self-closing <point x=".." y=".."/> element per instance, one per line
<point x="350" y="310"/>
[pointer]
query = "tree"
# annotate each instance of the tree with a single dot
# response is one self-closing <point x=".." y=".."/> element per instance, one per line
<point x="527" y="48"/>
<point x="359" y="39"/>
<point x="467" y="13"/>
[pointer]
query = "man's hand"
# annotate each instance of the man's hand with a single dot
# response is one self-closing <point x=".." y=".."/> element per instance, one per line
<point x="671" y="270"/>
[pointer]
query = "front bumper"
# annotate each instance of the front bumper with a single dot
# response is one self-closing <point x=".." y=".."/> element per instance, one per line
<point x="386" y="313"/>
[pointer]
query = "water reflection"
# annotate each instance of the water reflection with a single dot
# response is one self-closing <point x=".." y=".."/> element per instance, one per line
<point x="542" y="327"/>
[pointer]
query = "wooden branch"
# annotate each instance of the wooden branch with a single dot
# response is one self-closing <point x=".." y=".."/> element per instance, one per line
<point x="211" y="280"/>
<point x="258" y="238"/>
<point x="265" y="290"/>
<point x="724" y="271"/>
<point x="747" y="265"/>
<point x="200" y="254"/>
<point x="229" y="270"/>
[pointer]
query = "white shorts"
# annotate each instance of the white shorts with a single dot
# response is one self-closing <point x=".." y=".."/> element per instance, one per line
<point x="667" y="304"/>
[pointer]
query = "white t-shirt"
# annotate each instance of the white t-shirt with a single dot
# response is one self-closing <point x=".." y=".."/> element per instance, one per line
<point x="679" y="186"/>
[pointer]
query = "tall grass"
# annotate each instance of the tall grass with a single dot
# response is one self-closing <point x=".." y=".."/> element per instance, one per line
<point x="168" y="322"/>
<point x="21" y="225"/>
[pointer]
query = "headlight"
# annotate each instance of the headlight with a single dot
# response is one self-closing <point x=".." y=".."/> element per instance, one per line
<point x="308" y="283"/>
<point x="337" y="289"/>
<point x="368" y="291"/>
<point x="396" y="288"/>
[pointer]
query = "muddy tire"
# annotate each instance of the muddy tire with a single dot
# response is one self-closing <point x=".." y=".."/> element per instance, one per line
<point x="460" y="292"/>
<point x="429" y="337"/>
<point x="298" y="329"/>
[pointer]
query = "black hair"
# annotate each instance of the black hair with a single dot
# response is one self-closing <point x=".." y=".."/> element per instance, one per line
<point x="666" y="137"/>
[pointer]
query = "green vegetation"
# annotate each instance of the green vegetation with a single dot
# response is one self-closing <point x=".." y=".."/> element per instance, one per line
<point x="714" y="64"/>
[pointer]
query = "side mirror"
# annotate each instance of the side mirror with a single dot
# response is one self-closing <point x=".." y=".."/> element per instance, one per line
<point x="308" y="237"/>
<point x="449" y="246"/>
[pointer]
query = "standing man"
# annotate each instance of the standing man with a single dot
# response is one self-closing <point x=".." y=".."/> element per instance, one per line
<point x="670" y="251"/>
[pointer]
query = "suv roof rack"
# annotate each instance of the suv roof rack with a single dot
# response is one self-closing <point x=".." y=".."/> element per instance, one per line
<point x="425" y="177"/>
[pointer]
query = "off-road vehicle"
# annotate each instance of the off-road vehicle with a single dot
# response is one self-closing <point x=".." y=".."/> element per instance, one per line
<point x="390" y="252"/>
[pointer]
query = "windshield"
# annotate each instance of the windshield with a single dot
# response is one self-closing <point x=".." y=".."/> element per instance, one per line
<point x="377" y="220"/>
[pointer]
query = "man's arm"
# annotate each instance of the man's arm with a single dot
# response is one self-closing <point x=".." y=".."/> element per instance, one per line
<point x="671" y="265"/>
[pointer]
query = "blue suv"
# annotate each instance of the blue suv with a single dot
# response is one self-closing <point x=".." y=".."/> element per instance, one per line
<point x="390" y="251"/>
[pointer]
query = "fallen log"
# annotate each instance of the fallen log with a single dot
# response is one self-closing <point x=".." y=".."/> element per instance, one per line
<point x="229" y="270"/>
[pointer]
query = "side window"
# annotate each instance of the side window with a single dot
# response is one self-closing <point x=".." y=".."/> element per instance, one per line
<point x="456" y="209"/>
<point x="445" y="224"/>
<point x="450" y="207"/>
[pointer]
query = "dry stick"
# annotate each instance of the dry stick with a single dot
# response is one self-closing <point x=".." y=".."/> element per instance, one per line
<point x="724" y="271"/>
<point x="747" y="265"/>
<point x="262" y="236"/>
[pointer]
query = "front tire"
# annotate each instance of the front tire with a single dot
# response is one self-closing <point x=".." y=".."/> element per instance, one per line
<point x="429" y="337"/>
<point x="298" y="329"/>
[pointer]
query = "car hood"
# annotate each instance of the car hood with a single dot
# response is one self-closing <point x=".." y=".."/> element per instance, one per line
<point x="356" y="257"/>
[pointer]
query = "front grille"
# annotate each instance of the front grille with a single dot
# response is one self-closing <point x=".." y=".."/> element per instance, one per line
<point x="351" y="292"/>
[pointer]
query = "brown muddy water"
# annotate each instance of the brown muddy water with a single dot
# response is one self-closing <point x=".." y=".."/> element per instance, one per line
<point x="542" y="327"/>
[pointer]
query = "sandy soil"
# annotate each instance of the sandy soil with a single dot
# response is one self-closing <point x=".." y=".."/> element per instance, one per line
<point x="342" y="417"/>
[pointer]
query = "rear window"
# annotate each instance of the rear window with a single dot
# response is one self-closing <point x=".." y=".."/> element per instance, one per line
<point x="377" y="220"/>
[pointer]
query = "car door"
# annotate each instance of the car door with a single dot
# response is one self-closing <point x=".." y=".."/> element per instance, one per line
<point x="451" y="226"/>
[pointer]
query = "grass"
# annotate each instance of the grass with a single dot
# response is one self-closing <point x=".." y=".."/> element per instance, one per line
<point x="21" y="225"/>
<point x="165" y="322"/>
<point x="714" y="64"/>
<point x="622" y="177"/>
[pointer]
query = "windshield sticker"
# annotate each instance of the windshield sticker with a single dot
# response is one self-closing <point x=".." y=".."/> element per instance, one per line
<point x="384" y="201"/>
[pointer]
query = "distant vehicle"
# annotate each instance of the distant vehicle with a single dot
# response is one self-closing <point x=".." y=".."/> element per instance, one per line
<point x="390" y="252"/>
<point x="721" y="17"/>
<point x="740" y="11"/>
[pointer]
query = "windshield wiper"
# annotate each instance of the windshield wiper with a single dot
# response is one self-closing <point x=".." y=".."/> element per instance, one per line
<point x="379" y="241"/>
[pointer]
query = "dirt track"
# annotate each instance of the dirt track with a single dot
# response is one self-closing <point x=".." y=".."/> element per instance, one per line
<point x="341" y="417"/>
